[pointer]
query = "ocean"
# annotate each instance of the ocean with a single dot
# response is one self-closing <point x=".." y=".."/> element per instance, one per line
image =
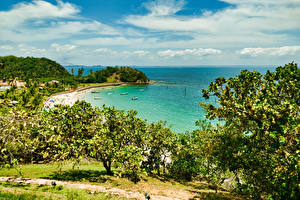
<point x="173" y="98"/>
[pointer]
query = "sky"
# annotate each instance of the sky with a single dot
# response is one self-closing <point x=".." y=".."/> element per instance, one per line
<point x="152" y="32"/>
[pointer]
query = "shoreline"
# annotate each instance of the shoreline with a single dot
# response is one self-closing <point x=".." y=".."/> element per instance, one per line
<point x="70" y="97"/>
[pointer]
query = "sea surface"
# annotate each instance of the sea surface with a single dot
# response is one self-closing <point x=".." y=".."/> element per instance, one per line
<point x="173" y="98"/>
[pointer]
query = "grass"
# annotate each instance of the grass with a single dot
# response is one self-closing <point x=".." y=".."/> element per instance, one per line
<point x="14" y="191"/>
<point x="94" y="173"/>
<point x="46" y="170"/>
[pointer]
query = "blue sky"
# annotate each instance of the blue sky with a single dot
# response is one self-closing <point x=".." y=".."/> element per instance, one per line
<point x="153" y="32"/>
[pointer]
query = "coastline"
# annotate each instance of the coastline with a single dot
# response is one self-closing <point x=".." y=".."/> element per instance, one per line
<point x="70" y="97"/>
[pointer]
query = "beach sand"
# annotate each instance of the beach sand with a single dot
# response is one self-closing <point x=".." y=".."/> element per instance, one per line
<point x="69" y="98"/>
<point x="64" y="99"/>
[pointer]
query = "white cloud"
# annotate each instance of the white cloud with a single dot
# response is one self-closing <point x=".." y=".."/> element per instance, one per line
<point x="164" y="7"/>
<point x="106" y="51"/>
<point x="41" y="21"/>
<point x="261" y="2"/>
<point x="38" y="9"/>
<point x="63" y="48"/>
<point x="277" y="51"/>
<point x="114" y="41"/>
<point x="6" y="47"/>
<point x="30" y="49"/>
<point x="247" y="19"/>
<point x="166" y="37"/>
<point x="141" y="53"/>
<point x="110" y="52"/>
<point x="189" y="52"/>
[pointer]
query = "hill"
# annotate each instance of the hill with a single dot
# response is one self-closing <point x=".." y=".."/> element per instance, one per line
<point x="30" y="68"/>
<point x="45" y="69"/>
<point x="113" y="74"/>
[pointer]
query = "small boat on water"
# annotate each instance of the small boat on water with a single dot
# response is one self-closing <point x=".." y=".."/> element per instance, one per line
<point x="134" y="98"/>
<point x="142" y="90"/>
<point x="125" y="93"/>
<point x="97" y="98"/>
<point x="95" y="91"/>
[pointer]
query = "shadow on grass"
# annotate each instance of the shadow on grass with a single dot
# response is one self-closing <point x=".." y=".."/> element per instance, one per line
<point x="80" y="175"/>
<point x="213" y="196"/>
<point x="12" y="184"/>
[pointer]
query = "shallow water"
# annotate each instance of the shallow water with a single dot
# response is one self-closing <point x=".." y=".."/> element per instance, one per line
<point x="174" y="98"/>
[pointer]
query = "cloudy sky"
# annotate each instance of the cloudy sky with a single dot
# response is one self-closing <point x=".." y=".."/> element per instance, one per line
<point x="152" y="32"/>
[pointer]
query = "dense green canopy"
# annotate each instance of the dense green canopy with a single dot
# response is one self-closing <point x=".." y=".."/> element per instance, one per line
<point x="44" y="69"/>
<point x="30" y="68"/>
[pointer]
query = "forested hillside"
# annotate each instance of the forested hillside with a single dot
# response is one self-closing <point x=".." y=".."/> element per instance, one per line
<point x="30" y="68"/>
<point x="45" y="69"/>
<point x="113" y="74"/>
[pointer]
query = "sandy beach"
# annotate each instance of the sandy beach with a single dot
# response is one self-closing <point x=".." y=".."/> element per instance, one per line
<point x="69" y="98"/>
<point x="64" y="99"/>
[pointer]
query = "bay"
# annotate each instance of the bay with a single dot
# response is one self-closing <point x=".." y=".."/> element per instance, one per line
<point x="173" y="98"/>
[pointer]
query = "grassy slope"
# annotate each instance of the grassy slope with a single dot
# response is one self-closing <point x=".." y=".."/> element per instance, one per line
<point x="94" y="173"/>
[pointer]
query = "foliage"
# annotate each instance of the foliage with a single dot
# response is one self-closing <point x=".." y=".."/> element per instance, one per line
<point x="160" y="143"/>
<point x="18" y="140"/>
<point x="128" y="74"/>
<point x="119" y="139"/>
<point x="66" y="130"/>
<point x="30" y="97"/>
<point x="194" y="157"/>
<point x="186" y="158"/>
<point x="116" y="138"/>
<point x="119" y="74"/>
<point x="30" y="68"/>
<point x="261" y="132"/>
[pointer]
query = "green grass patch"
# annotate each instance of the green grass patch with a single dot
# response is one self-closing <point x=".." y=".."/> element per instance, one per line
<point x="94" y="173"/>
<point x="48" y="170"/>
<point x="13" y="191"/>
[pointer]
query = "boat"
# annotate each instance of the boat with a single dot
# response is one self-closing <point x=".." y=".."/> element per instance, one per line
<point x="97" y="98"/>
<point x="142" y="90"/>
<point x="95" y="91"/>
<point x="134" y="98"/>
<point x="125" y="93"/>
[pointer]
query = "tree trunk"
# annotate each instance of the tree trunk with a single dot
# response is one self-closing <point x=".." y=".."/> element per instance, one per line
<point x="107" y="166"/>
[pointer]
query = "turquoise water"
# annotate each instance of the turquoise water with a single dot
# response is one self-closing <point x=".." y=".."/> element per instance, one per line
<point x="174" y="98"/>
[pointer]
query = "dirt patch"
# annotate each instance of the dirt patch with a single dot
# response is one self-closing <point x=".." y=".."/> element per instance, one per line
<point x="92" y="188"/>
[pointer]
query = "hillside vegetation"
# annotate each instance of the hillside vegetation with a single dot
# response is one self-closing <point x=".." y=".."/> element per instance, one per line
<point x="114" y="74"/>
<point x="30" y="68"/>
<point x="44" y="69"/>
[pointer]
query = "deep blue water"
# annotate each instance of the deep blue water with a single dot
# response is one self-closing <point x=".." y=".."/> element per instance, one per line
<point x="174" y="98"/>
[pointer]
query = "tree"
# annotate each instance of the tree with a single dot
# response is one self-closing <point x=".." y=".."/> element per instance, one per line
<point x="66" y="131"/>
<point x="18" y="139"/>
<point x="118" y="140"/>
<point x="2" y="65"/>
<point x="159" y="145"/>
<point x="261" y="130"/>
<point x="80" y="72"/>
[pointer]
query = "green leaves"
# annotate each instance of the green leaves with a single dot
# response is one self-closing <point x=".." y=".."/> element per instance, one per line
<point x="261" y="115"/>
